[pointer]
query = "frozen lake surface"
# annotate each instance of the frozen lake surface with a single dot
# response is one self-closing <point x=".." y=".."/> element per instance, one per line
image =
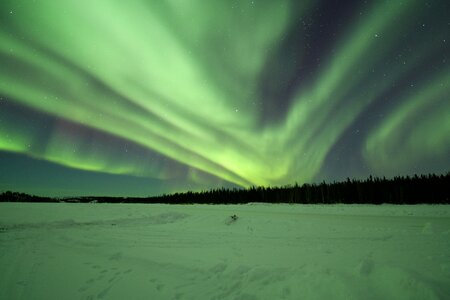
<point x="139" y="251"/>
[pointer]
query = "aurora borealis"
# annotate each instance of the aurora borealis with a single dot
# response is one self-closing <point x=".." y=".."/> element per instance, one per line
<point x="147" y="97"/>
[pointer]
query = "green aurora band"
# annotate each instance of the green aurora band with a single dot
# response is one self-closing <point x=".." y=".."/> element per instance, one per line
<point x="179" y="84"/>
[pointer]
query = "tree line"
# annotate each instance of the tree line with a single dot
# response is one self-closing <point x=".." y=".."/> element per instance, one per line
<point x="427" y="189"/>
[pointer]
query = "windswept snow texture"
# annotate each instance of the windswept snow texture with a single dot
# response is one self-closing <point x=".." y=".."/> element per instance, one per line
<point x="131" y="251"/>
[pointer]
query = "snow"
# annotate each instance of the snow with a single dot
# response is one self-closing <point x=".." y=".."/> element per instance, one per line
<point x="139" y="251"/>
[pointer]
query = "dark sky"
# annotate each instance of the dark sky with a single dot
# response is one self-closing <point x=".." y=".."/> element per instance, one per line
<point x="147" y="97"/>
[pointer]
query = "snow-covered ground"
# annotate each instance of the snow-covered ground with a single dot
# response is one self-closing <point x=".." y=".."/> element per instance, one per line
<point x="133" y="251"/>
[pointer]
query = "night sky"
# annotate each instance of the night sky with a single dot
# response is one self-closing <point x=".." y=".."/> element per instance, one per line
<point x="147" y="97"/>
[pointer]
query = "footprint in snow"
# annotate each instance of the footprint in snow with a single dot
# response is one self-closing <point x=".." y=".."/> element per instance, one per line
<point x="116" y="256"/>
<point x="366" y="266"/>
<point x="219" y="268"/>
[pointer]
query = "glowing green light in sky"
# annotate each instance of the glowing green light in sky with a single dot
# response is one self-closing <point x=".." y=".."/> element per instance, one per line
<point x="416" y="130"/>
<point x="182" y="79"/>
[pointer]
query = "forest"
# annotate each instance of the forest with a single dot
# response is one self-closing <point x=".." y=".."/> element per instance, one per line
<point x="423" y="189"/>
